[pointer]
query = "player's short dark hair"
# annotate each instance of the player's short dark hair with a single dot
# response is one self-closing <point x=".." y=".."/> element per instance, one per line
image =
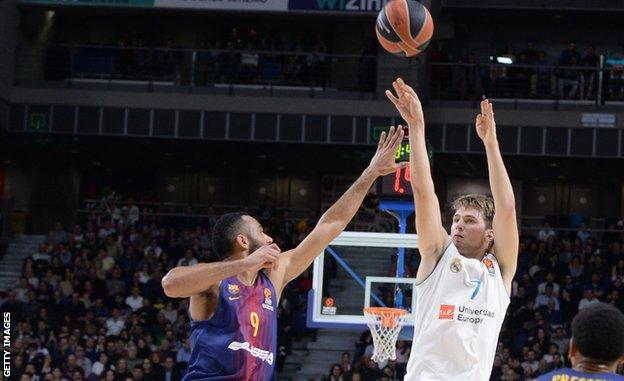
<point x="227" y="227"/>
<point x="598" y="332"/>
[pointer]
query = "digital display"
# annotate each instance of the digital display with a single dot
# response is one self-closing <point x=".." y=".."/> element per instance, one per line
<point x="402" y="153"/>
<point x="396" y="184"/>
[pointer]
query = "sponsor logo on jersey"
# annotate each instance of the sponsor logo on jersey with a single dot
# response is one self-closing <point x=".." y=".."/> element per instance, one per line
<point x="464" y="314"/>
<point x="234" y="297"/>
<point x="233" y="289"/>
<point x="490" y="266"/>
<point x="268" y="303"/>
<point x="261" y="354"/>
<point x="447" y="312"/>
<point x="456" y="265"/>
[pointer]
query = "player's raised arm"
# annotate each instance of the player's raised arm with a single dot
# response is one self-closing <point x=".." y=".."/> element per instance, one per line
<point x="504" y="223"/>
<point x="336" y="218"/>
<point x="185" y="281"/>
<point x="432" y="238"/>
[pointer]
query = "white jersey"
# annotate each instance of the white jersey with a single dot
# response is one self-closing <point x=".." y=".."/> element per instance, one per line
<point x="460" y="309"/>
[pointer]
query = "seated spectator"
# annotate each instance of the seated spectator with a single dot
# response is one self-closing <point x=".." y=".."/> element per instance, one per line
<point x="553" y="349"/>
<point x="590" y="63"/>
<point x="583" y="233"/>
<point x="588" y="300"/>
<point x="470" y="78"/>
<point x="520" y="76"/>
<point x="545" y="232"/>
<point x="188" y="258"/>
<point x="106" y="230"/>
<point x="335" y="373"/>
<point x="135" y="301"/>
<point x="616" y="77"/>
<point x="569" y="77"/>
<point x="345" y="361"/>
<point x="59" y="234"/>
<point x="576" y="268"/>
<point x="100" y="366"/>
<point x="531" y="364"/>
<point x="115" y="323"/>
<point x="550" y="281"/>
<point x="171" y="372"/>
<point x="249" y="64"/>
<point x="41" y="254"/>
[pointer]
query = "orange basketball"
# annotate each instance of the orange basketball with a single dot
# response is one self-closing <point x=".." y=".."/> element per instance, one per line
<point x="404" y="27"/>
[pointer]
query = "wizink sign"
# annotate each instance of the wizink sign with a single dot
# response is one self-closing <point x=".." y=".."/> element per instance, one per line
<point x="338" y="5"/>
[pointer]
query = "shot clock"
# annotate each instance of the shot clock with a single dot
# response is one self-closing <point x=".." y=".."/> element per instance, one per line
<point x="397" y="184"/>
<point x="402" y="153"/>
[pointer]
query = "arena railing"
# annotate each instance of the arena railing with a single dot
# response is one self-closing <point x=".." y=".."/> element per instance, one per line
<point x="551" y="85"/>
<point x="180" y="214"/>
<point x="200" y="70"/>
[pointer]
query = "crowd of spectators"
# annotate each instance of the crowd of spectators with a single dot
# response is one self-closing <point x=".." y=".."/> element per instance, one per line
<point x="89" y="304"/>
<point x="529" y="72"/>
<point x="241" y="57"/>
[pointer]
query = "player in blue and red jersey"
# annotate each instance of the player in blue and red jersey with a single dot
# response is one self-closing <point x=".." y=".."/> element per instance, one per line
<point x="596" y="346"/>
<point x="233" y="303"/>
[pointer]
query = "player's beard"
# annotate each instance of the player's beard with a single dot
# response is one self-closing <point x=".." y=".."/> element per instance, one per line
<point x="254" y="245"/>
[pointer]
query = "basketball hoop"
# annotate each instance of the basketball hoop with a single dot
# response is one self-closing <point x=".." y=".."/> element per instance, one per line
<point x="385" y="325"/>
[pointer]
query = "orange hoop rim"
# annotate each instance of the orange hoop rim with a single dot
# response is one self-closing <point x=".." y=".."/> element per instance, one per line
<point x="389" y="316"/>
<point x="385" y="311"/>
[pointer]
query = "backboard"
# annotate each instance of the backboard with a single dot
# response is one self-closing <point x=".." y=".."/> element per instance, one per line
<point x="357" y="270"/>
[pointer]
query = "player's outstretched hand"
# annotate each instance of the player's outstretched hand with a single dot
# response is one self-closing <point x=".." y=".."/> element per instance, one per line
<point x="264" y="258"/>
<point x="485" y="123"/>
<point x="407" y="103"/>
<point x="383" y="162"/>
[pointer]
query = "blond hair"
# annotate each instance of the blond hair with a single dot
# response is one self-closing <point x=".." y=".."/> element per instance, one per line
<point x="483" y="204"/>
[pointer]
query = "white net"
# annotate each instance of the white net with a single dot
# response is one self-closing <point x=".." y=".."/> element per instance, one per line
<point x="385" y="325"/>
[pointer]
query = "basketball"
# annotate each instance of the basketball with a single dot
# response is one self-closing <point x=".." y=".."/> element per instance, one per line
<point x="404" y="27"/>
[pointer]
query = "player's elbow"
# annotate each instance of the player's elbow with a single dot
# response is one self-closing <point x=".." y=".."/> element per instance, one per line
<point x="171" y="285"/>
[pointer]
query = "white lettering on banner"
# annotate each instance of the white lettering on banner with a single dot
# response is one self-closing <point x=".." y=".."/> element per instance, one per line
<point x="364" y="5"/>
<point x="241" y="5"/>
<point x="6" y="356"/>
<point x="255" y="352"/>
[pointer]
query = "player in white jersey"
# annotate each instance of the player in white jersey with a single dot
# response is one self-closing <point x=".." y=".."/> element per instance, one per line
<point x="464" y="279"/>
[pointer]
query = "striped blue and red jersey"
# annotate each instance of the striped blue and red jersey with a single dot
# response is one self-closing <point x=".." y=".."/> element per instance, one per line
<point x="567" y="374"/>
<point x="239" y="342"/>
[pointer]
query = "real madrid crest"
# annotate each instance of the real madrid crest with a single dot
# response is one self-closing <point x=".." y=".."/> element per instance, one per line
<point x="456" y="265"/>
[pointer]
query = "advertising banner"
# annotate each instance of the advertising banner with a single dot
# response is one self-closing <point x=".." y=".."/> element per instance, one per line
<point x="337" y="5"/>
<point x="101" y="3"/>
<point x="235" y="5"/>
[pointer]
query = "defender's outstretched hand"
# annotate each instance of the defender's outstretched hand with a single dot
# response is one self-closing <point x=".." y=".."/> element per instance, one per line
<point x="486" y="125"/>
<point x="383" y="162"/>
<point x="407" y="103"/>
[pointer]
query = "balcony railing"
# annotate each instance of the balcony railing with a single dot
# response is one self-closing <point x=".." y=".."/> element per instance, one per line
<point x="199" y="70"/>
